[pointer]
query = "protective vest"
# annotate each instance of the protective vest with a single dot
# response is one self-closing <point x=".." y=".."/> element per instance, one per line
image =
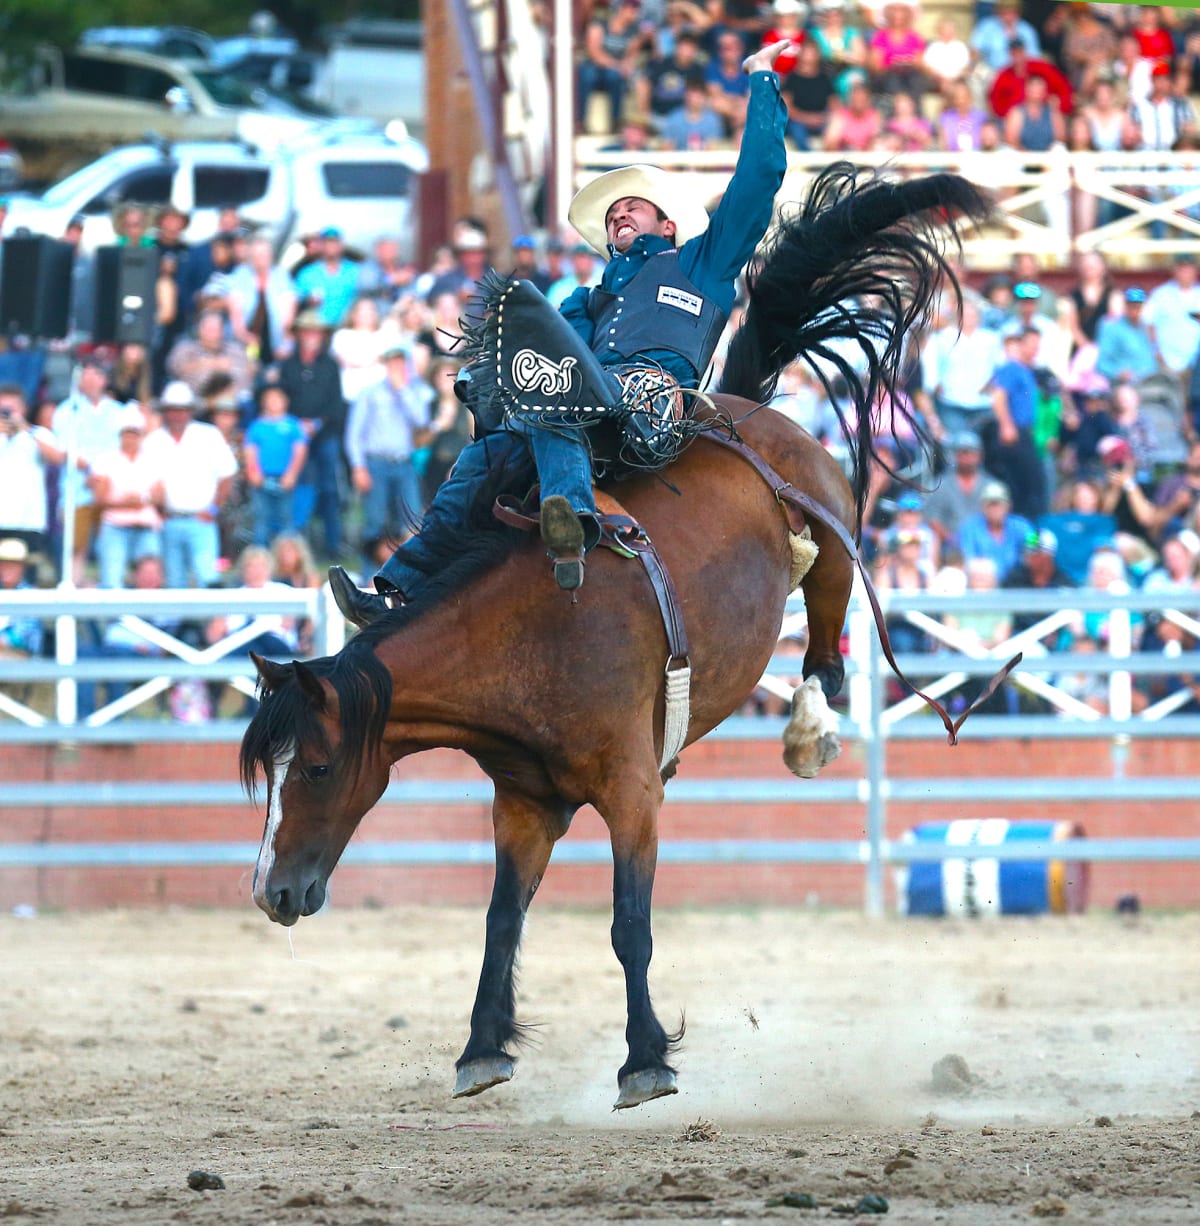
<point x="659" y="308"/>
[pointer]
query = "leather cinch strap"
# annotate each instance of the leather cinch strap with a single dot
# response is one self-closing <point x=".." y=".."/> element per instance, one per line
<point x="621" y="533"/>
<point x="796" y="506"/>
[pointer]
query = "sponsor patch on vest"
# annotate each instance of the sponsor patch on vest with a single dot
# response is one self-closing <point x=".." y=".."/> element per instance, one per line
<point x="668" y="295"/>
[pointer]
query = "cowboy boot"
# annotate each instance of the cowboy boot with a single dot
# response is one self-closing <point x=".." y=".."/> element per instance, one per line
<point x="359" y="607"/>
<point x="562" y="534"/>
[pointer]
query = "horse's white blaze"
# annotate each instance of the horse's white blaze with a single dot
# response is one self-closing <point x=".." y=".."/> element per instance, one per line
<point x="266" y="853"/>
<point x="811" y="738"/>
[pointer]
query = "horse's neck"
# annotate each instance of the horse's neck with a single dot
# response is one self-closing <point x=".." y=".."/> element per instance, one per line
<point x="435" y="701"/>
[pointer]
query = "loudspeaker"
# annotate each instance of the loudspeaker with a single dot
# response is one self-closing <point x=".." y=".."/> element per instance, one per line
<point x="124" y="302"/>
<point x="35" y="286"/>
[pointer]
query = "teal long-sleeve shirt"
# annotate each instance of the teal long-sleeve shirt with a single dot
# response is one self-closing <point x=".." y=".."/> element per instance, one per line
<point x="712" y="260"/>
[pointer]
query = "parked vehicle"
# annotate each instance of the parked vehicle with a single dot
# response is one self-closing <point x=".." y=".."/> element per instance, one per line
<point x="95" y="97"/>
<point x="172" y="42"/>
<point x="363" y="184"/>
<point x="374" y="69"/>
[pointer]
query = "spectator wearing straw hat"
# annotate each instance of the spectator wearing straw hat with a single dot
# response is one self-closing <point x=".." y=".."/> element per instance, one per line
<point x="196" y="469"/>
<point x="20" y="637"/>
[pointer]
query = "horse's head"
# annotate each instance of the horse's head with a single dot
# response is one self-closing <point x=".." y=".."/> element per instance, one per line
<point x="317" y="737"/>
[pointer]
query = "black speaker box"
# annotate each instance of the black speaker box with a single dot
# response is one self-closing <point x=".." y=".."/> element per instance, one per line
<point x="124" y="295"/>
<point x="35" y="286"/>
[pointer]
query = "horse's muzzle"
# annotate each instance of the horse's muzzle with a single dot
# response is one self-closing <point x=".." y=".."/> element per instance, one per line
<point x="286" y="905"/>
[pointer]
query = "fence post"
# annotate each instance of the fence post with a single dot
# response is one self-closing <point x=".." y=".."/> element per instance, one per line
<point x="1120" y="681"/>
<point x="66" y="651"/>
<point x="876" y="773"/>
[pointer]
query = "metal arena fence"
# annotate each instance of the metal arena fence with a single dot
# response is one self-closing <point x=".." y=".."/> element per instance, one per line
<point x="874" y="716"/>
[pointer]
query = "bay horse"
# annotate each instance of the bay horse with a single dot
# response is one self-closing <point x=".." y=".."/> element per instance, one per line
<point x="559" y="697"/>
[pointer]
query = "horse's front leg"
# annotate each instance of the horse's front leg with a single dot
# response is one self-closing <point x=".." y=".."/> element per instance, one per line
<point x="526" y="830"/>
<point x="632" y="817"/>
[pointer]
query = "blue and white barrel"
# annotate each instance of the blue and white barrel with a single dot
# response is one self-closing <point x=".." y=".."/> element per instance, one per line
<point x="970" y="883"/>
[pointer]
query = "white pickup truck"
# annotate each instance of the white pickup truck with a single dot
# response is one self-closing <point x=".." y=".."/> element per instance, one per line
<point x="363" y="184"/>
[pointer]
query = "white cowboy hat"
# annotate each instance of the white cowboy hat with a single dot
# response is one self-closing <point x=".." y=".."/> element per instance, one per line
<point x="662" y="188"/>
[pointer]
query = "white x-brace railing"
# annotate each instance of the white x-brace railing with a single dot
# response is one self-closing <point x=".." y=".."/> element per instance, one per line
<point x="1040" y="665"/>
<point x="223" y="659"/>
<point x="941" y="672"/>
<point x="1032" y="191"/>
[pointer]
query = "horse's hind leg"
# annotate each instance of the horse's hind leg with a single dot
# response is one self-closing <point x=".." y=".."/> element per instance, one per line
<point x="810" y="740"/>
<point x="525" y="833"/>
<point x="631" y="812"/>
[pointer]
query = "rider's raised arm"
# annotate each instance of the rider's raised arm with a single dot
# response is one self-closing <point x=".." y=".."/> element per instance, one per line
<point x="741" y="219"/>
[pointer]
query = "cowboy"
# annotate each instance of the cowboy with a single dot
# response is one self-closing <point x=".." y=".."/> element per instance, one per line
<point x="671" y="276"/>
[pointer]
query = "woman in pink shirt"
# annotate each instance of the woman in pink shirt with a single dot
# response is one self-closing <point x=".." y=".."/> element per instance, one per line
<point x="896" y="52"/>
<point x="854" y="127"/>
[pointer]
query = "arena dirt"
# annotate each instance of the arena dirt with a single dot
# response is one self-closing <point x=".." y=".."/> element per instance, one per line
<point x="138" y="1047"/>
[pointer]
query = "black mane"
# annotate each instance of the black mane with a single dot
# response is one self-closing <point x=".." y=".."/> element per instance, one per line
<point x="286" y="716"/>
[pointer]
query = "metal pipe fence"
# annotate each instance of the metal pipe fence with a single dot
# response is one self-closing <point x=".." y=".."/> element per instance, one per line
<point x="872" y="717"/>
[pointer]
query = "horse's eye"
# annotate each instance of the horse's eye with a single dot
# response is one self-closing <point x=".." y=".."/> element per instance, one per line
<point x="317" y="772"/>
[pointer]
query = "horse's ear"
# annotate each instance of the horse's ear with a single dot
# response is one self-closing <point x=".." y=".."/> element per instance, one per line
<point x="309" y="684"/>
<point x="271" y="675"/>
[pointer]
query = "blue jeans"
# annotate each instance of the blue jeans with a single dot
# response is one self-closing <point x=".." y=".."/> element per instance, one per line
<point x="596" y="76"/>
<point x="191" y="547"/>
<point x="271" y="507"/>
<point x="799" y="134"/>
<point x="319" y="486"/>
<point x="564" y="467"/>
<point x="393" y="503"/>
<point x="118" y="547"/>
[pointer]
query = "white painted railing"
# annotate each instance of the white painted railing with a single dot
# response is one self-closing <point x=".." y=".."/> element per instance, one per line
<point x="176" y="658"/>
<point x="955" y="660"/>
<point x="1037" y="195"/>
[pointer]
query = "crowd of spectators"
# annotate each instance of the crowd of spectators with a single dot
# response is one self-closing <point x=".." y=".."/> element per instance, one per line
<point x="876" y="76"/>
<point x="285" y="410"/>
<point x="1068" y="455"/>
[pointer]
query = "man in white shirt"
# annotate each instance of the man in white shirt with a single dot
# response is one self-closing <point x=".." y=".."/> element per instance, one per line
<point x="1161" y="118"/>
<point x="25" y="453"/>
<point x="957" y="366"/>
<point x="197" y="469"/>
<point x="1172" y="313"/>
<point x="87" y="425"/>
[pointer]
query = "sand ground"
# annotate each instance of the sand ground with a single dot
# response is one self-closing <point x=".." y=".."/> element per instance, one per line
<point x="313" y="1075"/>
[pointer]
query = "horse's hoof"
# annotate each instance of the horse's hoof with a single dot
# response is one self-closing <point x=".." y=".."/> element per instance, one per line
<point x="810" y="740"/>
<point x="638" y="1088"/>
<point x="481" y="1075"/>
